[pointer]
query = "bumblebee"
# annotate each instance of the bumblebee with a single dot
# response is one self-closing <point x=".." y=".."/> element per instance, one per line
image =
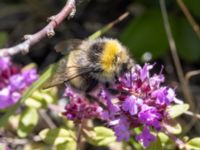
<point x="90" y="62"/>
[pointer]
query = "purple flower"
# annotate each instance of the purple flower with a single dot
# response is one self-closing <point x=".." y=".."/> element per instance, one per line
<point x="156" y="80"/>
<point x="30" y="76"/>
<point x="13" y="82"/>
<point x="5" y="63"/>
<point x="7" y="97"/>
<point x="128" y="79"/>
<point x="17" y="82"/>
<point x="122" y="129"/>
<point x="170" y="95"/>
<point x="69" y="93"/>
<point x="163" y="95"/>
<point x="150" y="116"/>
<point x="79" y="110"/>
<point x="141" y="102"/>
<point x="112" y="108"/>
<point x="145" y="137"/>
<point x="144" y="72"/>
<point x="4" y="97"/>
<point x="130" y="105"/>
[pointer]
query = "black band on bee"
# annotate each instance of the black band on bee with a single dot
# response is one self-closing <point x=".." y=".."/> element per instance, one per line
<point x="95" y="52"/>
<point x="92" y="84"/>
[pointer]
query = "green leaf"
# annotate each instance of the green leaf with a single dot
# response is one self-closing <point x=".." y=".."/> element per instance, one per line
<point x="3" y="38"/>
<point x="100" y="136"/>
<point x="146" y="34"/>
<point x="103" y="132"/>
<point x="155" y="145"/>
<point x="40" y="99"/>
<point x="35" y="103"/>
<point x="69" y="124"/>
<point x="36" y="85"/>
<point x="36" y="146"/>
<point x="193" y="144"/>
<point x="167" y="143"/>
<point x="163" y="137"/>
<point x="135" y="144"/>
<point x="56" y="136"/>
<point x="67" y="145"/>
<point x="104" y="136"/>
<point x="173" y="127"/>
<point x="177" y="110"/>
<point x="28" y="120"/>
<point x="188" y="44"/>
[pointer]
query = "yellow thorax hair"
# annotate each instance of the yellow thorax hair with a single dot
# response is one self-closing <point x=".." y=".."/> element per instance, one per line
<point x="110" y="50"/>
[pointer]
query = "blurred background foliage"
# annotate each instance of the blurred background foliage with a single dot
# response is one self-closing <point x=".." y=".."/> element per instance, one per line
<point x="142" y="32"/>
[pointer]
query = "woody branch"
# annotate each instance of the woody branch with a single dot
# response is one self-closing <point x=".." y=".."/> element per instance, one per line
<point x="48" y="31"/>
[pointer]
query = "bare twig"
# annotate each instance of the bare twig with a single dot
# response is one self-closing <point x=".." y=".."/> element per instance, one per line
<point x="17" y="141"/>
<point x="189" y="17"/>
<point x="183" y="82"/>
<point x="48" y="31"/>
<point x="79" y="132"/>
<point x="189" y="113"/>
<point x="180" y="144"/>
<point x="191" y="74"/>
<point x="47" y="119"/>
<point x="109" y="26"/>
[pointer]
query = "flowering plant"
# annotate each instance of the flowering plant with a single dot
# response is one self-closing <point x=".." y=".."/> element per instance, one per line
<point x="13" y="81"/>
<point x="136" y="112"/>
<point x="141" y="102"/>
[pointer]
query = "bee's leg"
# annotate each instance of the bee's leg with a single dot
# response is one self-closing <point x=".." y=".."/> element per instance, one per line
<point x="116" y="91"/>
<point x="90" y="97"/>
<point x="66" y="83"/>
<point x="110" y="89"/>
<point x="90" y="87"/>
<point x="116" y="79"/>
<point x="113" y="91"/>
<point x="107" y="85"/>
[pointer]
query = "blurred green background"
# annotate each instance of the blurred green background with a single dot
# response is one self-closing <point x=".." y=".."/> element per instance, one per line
<point x="142" y="32"/>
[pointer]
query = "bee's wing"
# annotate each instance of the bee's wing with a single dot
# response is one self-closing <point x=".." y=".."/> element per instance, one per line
<point x="57" y="77"/>
<point x="62" y="74"/>
<point x="68" y="45"/>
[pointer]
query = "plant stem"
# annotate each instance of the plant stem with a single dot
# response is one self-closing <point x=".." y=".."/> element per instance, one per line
<point x="191" y="74"/>
<point x="189" y="17"/>
<point x="108" y="26"/>
<point x="183" y="82"/>
<point x="78" y="142"/>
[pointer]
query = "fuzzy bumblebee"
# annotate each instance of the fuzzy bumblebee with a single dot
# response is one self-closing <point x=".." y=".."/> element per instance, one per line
<point x="90" y="62"/>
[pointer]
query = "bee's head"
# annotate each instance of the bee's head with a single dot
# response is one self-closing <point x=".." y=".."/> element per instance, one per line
<point x="115" y="58"/>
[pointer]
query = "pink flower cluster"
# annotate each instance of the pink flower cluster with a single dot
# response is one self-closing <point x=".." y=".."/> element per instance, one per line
<point x="79" y="109"/>
<point x="13" y="81"/>
<point x="141" y="102"/>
